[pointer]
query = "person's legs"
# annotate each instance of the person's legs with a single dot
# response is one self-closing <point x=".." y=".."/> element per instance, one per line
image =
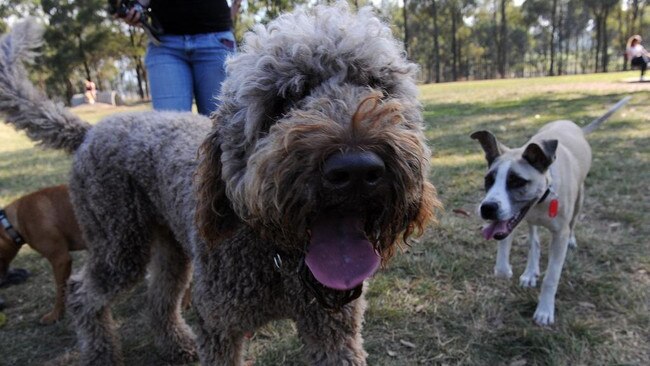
<point x="644" y="66"/>
<point x="170" y="75"/>
<point x="641" y="62"/>
<point x="208" y="70"/>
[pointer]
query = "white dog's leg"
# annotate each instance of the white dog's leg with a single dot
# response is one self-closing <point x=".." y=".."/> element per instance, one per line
<point x="573" y="243"/>
<point x="529" y="277"/>
<point x="502" y="268"/>
<point x="545" y="313"/>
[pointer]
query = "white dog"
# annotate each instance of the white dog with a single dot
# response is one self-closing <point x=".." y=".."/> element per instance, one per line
<point x="542" y="182"/>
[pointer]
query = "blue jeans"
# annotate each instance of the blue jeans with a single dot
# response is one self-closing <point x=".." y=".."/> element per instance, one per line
<point x="183" y="67"/>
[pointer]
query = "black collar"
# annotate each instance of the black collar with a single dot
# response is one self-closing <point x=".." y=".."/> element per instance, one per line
<point x="548" y="191"/>
<point x="13" y="233"/>
<point x="331" y="300"/>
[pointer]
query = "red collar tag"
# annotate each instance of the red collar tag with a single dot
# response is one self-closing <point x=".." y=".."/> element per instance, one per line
<point x="553" y="207"/>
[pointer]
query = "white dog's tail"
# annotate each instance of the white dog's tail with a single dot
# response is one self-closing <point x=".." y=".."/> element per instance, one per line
<point x="22" y="105"/>
<point x="599" y="121"/>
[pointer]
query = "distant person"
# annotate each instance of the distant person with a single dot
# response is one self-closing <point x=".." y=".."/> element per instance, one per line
<point x="189" y="61"/>
<point x="637" y="54"/>
<point x="90" y="92"/>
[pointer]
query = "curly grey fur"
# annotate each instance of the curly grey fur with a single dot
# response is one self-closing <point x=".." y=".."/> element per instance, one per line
<point x="25" y="107"/>
<point x="305" y="87"/>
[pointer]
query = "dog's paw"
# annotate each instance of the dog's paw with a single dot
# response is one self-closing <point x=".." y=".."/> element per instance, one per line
<point x="504" y="272"/>
<point x="544" y="316"/>
<point x="51" y="318"/>
<point x="177" y="346"/>
<point x="573" y="244"/>
<point x="528" y="280"/>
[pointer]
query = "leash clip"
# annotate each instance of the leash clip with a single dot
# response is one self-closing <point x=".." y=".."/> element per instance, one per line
<point x="277" y="261"/>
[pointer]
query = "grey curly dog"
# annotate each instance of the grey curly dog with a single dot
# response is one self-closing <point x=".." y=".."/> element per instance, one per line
<point x="309" y="176"/>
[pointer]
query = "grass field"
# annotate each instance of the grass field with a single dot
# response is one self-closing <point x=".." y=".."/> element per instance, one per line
<point x="437" y="303"/>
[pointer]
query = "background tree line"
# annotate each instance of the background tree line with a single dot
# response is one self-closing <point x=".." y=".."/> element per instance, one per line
<point x="450" y="39"/>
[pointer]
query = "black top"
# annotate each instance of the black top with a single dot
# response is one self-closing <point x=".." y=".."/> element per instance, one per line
<point x="192" y="16"/>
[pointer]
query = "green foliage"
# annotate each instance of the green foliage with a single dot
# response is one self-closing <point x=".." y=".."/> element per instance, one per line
<point x="472" y="42"/>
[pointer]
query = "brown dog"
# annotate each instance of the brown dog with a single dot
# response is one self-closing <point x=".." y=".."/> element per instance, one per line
<point x="44" y="220"/>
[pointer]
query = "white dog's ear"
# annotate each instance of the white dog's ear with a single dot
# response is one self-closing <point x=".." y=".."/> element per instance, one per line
<point x="542" y="155"/>
<point x="492" y="147"/>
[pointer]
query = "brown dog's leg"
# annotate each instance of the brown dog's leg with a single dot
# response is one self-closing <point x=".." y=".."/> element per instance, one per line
<point x="61" y="266"/>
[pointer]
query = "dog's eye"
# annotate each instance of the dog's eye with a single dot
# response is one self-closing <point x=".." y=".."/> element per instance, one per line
<point x="489" y="181"/>
<point x="515" y="181"/>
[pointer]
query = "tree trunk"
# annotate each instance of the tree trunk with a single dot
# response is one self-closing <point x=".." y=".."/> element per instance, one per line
<point x="560" y="40"/>
<point x="622" y="38"/>
<point x="503" y="40"/>
<point x="567" y="49"/>
<point x="605" y="54"/>
<point x="496" y="44"/>
<point x="636" y="10"/>
<point x="138" y="75"/>
<point x="597" y="58"/>
<point x="82" y="55"/>
<point x="147" y="92"/>
<point x="69" y="91"/>
<point x="641" y="13"/>
<point x="436" y="40"/>
<point x="454" y="63"/>
<point x="578" y="46"/>
<point x="551" y="69"/>
<point x="406" y="27"/>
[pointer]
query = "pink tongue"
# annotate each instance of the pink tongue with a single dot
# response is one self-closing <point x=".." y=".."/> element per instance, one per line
<point x="494" y="228"/>
<point x="339" y="254"/>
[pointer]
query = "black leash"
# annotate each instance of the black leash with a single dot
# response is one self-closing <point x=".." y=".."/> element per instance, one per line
<point x="548" y="191"/>
<point x="13" y="233"/>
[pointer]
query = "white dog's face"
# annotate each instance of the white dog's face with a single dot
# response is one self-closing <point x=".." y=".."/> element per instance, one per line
<point x="512" y="187"/>
<point x="516" y="179"/>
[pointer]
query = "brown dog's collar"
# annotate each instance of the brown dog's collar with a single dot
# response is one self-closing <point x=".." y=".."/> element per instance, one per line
<point x="11" y="231"/>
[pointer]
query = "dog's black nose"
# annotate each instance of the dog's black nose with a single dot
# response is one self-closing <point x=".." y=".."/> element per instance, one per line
<point x="355" y="169"/>
<point x="489" y="210"/>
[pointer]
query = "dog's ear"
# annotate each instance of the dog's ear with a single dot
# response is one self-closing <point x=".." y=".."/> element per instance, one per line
<point x="215" y="218"/>
<point x="541" y="155"/>
<point x="492" y="147"/>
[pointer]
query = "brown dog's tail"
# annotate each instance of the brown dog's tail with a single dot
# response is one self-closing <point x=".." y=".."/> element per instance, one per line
<point x="22" y="105"/>
<point x="599" y="121"/>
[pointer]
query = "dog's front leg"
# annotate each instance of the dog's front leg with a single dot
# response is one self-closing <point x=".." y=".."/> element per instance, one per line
<point x="502" y="268"/>
<point x="333" y="338"/>
<point x="61" y="266"/>
<point x="545" y="313"/>
<point x="529" y="277"/>
<point x="218" y="344"/>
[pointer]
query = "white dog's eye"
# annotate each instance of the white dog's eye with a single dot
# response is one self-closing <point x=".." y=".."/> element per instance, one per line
<point x="489" y="181"/>
<point x="515" y="181"/>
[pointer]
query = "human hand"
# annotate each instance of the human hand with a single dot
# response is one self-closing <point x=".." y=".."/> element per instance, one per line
<point x="132" y="16"/>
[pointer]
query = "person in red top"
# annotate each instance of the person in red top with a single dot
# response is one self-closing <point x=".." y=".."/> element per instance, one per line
<point x="90" y="92"/>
